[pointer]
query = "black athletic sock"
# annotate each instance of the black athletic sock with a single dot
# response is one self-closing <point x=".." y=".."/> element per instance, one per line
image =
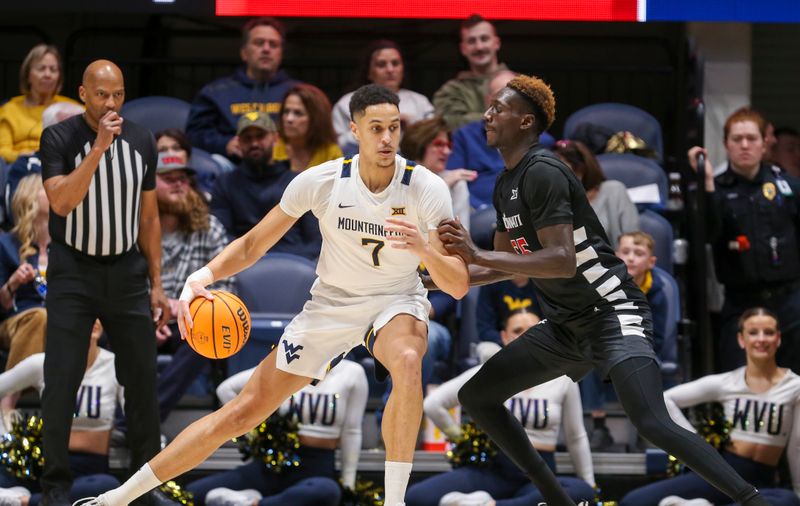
<point x="638" y="385"/>
<point x="599" y="422"/>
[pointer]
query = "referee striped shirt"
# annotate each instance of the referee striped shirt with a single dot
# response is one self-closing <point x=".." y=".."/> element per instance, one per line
<point x="106" y="222"/>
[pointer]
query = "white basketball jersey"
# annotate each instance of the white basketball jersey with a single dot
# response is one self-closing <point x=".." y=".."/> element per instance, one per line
<point x="356" y="258"/>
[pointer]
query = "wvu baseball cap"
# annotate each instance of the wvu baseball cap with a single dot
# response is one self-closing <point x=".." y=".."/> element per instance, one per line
<point x="255" y="119"/>
<point x="168" y="162"/>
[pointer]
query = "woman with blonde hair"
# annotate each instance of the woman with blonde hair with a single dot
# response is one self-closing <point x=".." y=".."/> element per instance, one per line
<point x="23" y="267"/>
<point x="40" y="79"/>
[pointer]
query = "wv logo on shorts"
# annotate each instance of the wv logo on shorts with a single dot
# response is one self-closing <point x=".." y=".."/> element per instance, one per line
<point x="291" y="351"/>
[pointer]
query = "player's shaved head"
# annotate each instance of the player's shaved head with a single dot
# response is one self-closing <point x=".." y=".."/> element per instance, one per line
<point x="101" y="70"/>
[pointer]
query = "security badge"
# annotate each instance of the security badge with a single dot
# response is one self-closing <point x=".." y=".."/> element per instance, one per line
<point x="768" y="190"/>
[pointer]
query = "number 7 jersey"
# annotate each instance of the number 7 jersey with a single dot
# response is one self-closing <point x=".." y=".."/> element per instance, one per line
<point x="356" y="258"/>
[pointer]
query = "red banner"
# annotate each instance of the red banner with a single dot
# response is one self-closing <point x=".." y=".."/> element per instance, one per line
<point x="558" y="10"/>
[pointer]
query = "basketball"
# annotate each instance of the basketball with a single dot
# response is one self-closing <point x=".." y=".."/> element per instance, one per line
<point x="221" y="326"/>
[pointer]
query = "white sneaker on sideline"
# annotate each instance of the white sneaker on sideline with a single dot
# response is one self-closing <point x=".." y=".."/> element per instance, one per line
<point x="227" y="497"/>
<point x="674" y="500"/>
<point x="477" y="498"/>
<point x="13" y="496"/>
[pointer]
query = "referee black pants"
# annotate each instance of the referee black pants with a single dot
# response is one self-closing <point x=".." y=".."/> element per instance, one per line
<point x="81" y="289"/>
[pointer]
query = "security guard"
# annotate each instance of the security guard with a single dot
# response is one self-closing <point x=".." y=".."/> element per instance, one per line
<point x="753" y="216"/>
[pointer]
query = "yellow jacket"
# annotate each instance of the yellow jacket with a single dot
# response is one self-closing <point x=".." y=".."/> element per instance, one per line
<point x="21" y="126"/>
<point x="322" y="155"/>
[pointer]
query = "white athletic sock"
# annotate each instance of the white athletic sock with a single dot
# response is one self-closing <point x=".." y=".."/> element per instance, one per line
<point x="137" y="485"/>
<point x="395" y="482"/>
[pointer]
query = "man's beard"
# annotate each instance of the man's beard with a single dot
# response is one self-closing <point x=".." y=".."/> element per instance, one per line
<point x="181" y="207"/>
<point x="258" y="163"/>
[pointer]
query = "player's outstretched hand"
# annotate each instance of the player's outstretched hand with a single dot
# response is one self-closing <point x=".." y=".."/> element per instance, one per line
<point x="456" y="240"/>
<point x="403" y="234"/>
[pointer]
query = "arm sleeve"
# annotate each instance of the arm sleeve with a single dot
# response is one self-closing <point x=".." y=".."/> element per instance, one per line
<point x="575" y="434"/>
<point x="341" y="121"/>
<point x="26" y="374"/>
<point x="793" y="450"/>
<point x="702" y="390"/>
<point x="438" y="403"/>
<point x="231" y="387"/>
<point x="298" y="197"/>
<point x="149" y="182"/>
<point x="202" y="125"/>
<point x="547" y="195"/>
<point x="7" y="142"/>
<point x="486" y="315"/>
<point x="350" y="442"/>
<point x="435" y="204"/>
<point x="50" y="154"/>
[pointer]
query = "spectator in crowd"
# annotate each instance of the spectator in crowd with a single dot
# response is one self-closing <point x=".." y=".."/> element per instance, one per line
<point x="752" y="222"/>
<point x="497" y="301"/>
<point x="382" y="64"/>
<point x="105" y="262"/>
<point x="242" y="197"/>
<point x="461" y="99"/>
<point x="190" y="238"/>
<point x="761" y="401"/>
<point x="91" y="425"/>
<point x="541" y="409"/>
<point x="636" y="250"/>
<point x="608" y="198"/>
<point x="471" y="152"/>
<point x="786" y="151"/>
<point x="23" y="265"/>
<point x="305" y="132"/>
<point x="428" y="142"/>
<point x="40" y="80"/>
<point x="31" y="163"/>
<point x="258" y="87"/>
<point x="175" y="142"/>
<point x="330" y="414"/>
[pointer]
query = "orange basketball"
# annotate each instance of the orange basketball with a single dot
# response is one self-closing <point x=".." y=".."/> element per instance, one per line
<point x="220" y="326"/>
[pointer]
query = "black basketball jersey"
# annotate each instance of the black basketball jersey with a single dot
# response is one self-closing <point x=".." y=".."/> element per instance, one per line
<point x="542" y="191"/>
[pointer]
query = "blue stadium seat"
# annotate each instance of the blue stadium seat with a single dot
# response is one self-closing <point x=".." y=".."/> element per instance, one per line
<point x="661" y="230"/>
<point x="669" y="349"/>
<point x="634" y="171"/>
<point x="277" y="283"/>
<point x="619" y="117"/>
<point x="482" y="224"/>
<point x="157" y="113"/>
<point x="274" y="290"/>
<point x="207" y="169"/>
